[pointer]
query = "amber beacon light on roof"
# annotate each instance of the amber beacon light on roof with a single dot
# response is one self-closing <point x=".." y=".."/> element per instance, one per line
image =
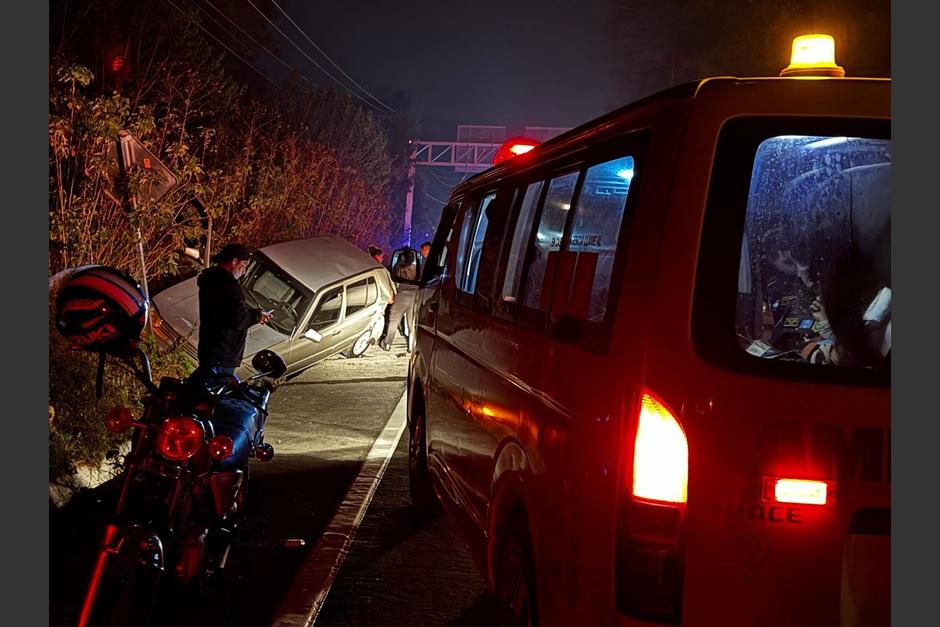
<point x="813" y="55"/>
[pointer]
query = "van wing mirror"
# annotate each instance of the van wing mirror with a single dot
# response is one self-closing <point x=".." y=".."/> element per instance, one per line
<point x="313" y="335"/>
<point x="406" y="266"/>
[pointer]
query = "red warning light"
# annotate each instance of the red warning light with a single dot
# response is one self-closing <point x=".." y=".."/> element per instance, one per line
<point x="513" y="147"/>
<point x="147" y="165"/>
<point x="117" y="63"/>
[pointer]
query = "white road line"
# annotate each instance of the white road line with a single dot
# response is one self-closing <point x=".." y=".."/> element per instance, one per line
<point x="310" y="587"/>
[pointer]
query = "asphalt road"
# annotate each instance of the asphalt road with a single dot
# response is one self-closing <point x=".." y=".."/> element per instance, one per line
<point x="400" y="571"/>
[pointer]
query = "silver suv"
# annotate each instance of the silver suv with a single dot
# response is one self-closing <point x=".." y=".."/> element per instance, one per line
<point x="327" y="295"/>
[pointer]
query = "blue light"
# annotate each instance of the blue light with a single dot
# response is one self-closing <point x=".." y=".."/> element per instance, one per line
<point x="626" y="173"/>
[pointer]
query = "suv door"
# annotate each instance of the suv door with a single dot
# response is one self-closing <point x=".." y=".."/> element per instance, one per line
<point x="363" y="308"/>
<point x="326" y="321"/>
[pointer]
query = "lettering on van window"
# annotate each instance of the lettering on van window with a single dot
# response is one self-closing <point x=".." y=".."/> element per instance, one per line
<point x="579" y="240"/>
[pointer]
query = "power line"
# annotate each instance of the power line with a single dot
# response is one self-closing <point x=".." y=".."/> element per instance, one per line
<point x="327" y="57"/>
<point x="252" y="39"/>
<point x="437" y="200"/>
<point x="221" y="43"/>
<point x="309" y="58"/>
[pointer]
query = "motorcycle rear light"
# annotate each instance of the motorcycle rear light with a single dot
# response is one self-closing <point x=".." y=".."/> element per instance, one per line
<point x="179" y="438"/>
<point x="660" y="455"/>
<point x="119" y="420"/>
<point x="802" y="491"/>
<point x="220" y="447"/>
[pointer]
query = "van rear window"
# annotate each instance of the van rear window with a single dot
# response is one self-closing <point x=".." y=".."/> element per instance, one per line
<point x="814" y="272"/>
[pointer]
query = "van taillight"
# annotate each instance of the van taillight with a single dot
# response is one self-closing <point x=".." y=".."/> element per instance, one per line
<point x="801" y="491"/>
<point x="660" y="455"/>
<point x="650" y="524"/>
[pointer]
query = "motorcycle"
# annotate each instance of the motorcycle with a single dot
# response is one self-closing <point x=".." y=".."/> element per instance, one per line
<point x="183" y="485"/>
<point x="184" y="479"/>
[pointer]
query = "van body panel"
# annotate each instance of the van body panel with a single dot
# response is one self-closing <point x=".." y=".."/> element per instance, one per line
<point x="518" y="417"/>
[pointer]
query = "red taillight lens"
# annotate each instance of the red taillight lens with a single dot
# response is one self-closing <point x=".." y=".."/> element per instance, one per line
<point x="119" y="420"/>
<point x="220" y="447"/>
<point x="179" y="438"/>
<point x="660" y="455"/>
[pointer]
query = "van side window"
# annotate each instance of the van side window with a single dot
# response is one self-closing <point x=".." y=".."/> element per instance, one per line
<point x="594" y="237"/>
<point x="520" y="241"/>
<point x="491" y="254"/>
<point x="467" y="225"/>
<point x="436" y="262"/>
<point x="547" y="242"/>
<point x="474" y="245"/>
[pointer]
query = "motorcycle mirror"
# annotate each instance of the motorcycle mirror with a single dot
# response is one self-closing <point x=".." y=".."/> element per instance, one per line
<point x="269" y="364"/>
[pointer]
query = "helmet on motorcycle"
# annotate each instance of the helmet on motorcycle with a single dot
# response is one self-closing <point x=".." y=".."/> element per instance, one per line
<point x="100" y="309"/>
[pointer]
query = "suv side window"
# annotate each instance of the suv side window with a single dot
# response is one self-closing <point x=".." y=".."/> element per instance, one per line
<point x="329" y="311"/>
<point x="360" y="295"/>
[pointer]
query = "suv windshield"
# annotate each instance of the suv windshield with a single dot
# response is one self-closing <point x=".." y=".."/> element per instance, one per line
<point x="814" y="280"/>
<point x="270" y="289"/>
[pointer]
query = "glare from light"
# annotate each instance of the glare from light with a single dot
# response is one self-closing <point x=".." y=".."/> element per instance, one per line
<point x="518" y="149"/>
<point x="800" y="491"/>
<point x="660" y="455"/>
<point x="626" y="174"/>
<point x="813" y="51"/>
<point x="829" y="141"/>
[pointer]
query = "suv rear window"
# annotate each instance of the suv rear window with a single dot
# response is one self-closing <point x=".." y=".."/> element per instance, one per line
<point x="796" y="252"/>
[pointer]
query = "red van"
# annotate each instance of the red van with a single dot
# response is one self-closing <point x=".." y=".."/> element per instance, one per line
<point x="651" y="376"/>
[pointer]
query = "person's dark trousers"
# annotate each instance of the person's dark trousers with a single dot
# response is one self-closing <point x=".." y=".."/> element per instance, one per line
<point x="388" y="313"/>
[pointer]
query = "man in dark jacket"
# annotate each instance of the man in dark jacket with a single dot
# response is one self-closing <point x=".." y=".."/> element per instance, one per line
<point x="224" y="318"/>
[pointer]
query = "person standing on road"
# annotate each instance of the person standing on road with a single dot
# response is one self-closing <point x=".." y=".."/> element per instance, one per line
<point x="405" y="269"/>
<point x="224" y="317"/>
<point x="377" y="253"/>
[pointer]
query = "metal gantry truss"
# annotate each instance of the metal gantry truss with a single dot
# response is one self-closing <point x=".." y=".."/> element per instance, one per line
<point x="462" y="156"/>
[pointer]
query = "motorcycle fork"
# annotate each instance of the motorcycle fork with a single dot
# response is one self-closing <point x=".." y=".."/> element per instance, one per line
<point x="110" y="545"/>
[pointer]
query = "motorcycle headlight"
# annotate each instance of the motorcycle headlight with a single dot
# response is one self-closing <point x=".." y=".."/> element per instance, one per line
<point x="179" y="438"/>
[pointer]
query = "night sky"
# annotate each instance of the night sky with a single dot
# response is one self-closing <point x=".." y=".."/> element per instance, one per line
<point x="518" y="63"/>
<point x="500" y="62"/>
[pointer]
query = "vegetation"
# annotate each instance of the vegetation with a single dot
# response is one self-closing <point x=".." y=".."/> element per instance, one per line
<point x="271" y="160"/>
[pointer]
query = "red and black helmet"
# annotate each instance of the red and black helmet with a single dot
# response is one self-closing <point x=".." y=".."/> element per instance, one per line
<point x="100" y="309"/>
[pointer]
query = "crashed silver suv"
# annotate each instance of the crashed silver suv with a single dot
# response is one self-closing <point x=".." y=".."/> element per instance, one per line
<point x="327" y="296"/>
